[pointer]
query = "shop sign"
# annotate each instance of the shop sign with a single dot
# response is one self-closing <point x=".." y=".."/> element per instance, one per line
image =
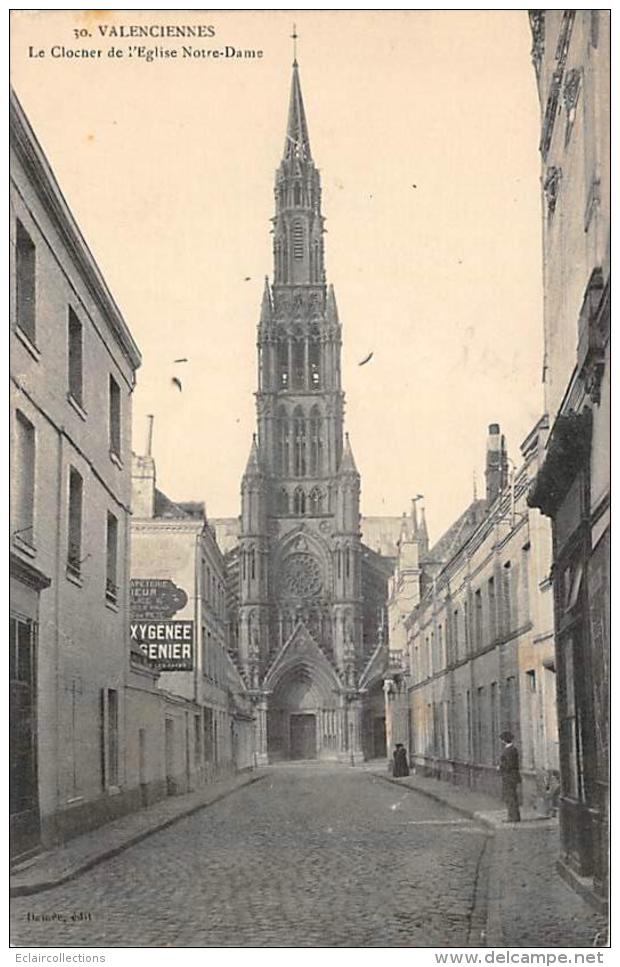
<point x="168" y="645"/>
<point x="155" y="599"/>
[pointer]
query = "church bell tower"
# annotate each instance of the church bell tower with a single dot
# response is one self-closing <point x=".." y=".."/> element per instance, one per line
<point x="300" y="591"/>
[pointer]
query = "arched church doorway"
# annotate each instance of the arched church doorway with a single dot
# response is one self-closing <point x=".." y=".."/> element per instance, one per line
<point x="303" y="718"/>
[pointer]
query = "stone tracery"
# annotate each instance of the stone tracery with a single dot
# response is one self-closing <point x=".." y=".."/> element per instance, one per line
<point x="300" y="576"/>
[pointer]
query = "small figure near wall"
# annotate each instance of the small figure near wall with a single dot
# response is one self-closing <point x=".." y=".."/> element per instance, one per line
<point x="401" y="766"/>
<point x="511" y="777"/>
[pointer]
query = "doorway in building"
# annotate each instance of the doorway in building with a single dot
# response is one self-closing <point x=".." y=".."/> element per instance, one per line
<point x="171" y="786"/>
<point x="23" y="782"/>
<point x="375" y="746"/>
<point x="303" y="736"/>
<point x="379" y="750"/>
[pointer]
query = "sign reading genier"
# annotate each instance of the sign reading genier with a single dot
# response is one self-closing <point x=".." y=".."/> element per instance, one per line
<point x="168" y="645"/>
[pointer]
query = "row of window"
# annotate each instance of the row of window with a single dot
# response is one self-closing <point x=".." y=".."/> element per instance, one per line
<point x="468" y="729"/>
<point x="26" y="312"/>
<point x="75" y="554"/>
<point x="249" y="563"/>
<point x="297" y="193"/>
<point x="299" y="443"/>
<point x="213" y="590"/>
<point x="213" y="658"/>
<point x="303" y="503"/>
<point x="24" y="502"/>
<point x="299" y="363"/>
<point x="467" y="630"/>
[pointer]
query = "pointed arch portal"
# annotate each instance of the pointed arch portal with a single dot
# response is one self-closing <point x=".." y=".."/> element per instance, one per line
<point x="303" y="717"/>
<point x="304" y="711"/>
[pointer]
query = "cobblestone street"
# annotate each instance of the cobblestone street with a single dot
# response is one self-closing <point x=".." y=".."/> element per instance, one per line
<point x="308" y="856"/>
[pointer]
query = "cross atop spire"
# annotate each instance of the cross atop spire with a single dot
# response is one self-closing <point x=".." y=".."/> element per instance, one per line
<point x="294" y="38"/>
<point x="297" y="144"/>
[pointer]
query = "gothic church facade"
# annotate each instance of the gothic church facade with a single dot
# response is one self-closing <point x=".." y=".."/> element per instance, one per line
<point x="307" y="596"/>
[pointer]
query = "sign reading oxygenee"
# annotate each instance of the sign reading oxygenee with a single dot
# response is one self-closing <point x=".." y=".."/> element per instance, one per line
<point x="168" y="645"/>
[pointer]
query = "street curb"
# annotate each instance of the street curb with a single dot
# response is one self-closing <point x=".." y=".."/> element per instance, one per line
<point x="431" y="795"/>
<point x="28" y="889"/>
<point x="480" y="925"/>
<point x="480" y="817"/>
<point x="494" y="935"/>
<point x="487" y="902"/>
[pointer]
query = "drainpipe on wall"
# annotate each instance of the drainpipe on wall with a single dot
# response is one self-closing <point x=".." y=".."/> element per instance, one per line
<point x="197" y="610"/>
<point x="57" y="616"/>
<point x="125" y="613"/>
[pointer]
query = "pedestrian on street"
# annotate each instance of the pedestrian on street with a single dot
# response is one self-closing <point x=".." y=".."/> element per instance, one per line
<point x="511" y="777"/>
<point x="401" y="766"/>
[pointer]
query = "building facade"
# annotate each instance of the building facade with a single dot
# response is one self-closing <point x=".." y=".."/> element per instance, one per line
<point x="203" y="727"/>
<point x="72" y="373"/>
<point x="475" y="655"/>
<point x="303" y="630"/>
<point x="571" y="55"/>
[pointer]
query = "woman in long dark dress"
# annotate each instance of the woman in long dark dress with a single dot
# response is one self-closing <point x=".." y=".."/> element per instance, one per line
<point x="401" y="766"/>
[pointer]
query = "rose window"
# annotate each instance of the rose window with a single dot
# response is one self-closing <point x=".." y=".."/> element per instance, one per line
<point x="301" y="576"/>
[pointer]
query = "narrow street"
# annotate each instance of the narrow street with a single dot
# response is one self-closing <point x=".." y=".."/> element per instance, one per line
<point x="310" y="855"/>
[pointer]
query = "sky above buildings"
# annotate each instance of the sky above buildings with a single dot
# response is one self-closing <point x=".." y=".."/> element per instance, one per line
<point x="425" y="128"/>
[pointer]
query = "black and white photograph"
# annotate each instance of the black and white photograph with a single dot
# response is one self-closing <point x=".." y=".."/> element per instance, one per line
<point x="310" y="430"/>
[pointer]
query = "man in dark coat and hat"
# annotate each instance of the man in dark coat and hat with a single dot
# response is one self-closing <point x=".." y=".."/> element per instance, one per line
<point x="401" y="766"/>
<point x="511" y="777"/>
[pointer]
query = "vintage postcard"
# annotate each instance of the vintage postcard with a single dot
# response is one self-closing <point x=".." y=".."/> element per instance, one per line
<point x="310" y="513"/>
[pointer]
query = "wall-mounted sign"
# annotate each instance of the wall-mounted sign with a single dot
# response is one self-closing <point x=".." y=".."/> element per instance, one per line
<point x="155" y="599"/>
<point x="168" y="645"/>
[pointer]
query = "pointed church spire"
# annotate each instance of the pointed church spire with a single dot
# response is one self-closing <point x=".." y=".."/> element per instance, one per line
<point x="297" y="143"/>
<point x="266" y="306"/>
<point x="347" y="464"/>
<point x="253" y="467"/>
<point x="332" y="308"/>
<point x="414" y="516"/>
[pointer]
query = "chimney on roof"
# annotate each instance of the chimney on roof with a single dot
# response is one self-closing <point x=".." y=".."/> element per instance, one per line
<point x="496" y="472"/>
<point x="149" y="434"/>
<point x="143" y="478"/>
